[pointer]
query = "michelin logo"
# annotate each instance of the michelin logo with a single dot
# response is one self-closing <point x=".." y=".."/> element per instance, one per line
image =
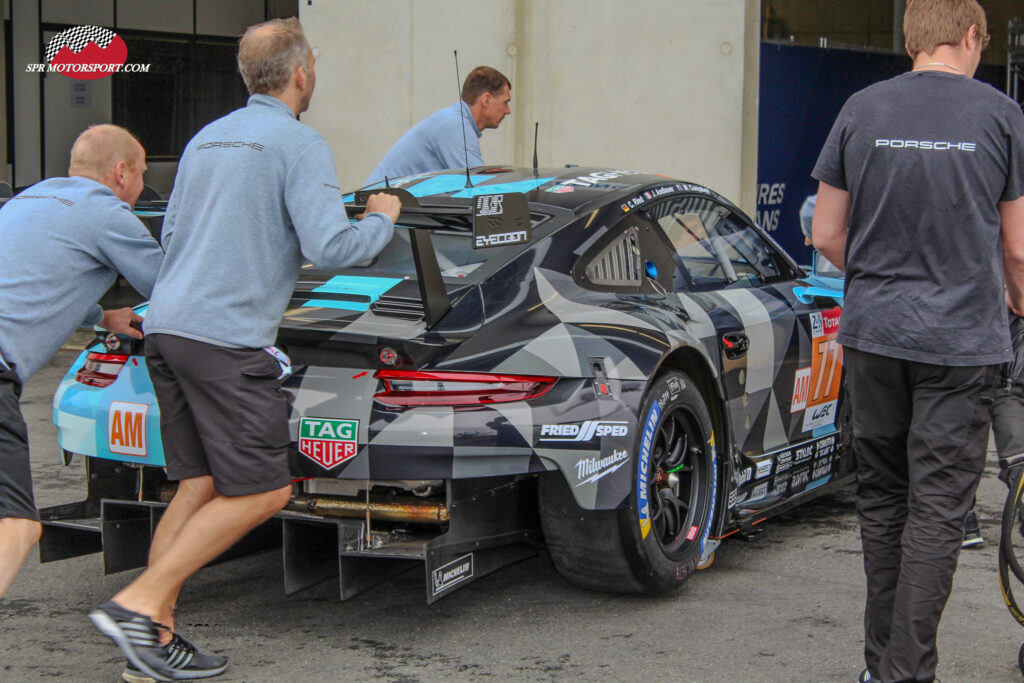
<point x="584" y="431"/>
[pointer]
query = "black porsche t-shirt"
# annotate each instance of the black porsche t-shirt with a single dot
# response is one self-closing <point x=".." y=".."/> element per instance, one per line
<point x="926" y="157"/>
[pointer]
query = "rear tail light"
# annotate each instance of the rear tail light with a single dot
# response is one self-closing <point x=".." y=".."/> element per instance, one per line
<point x="414" y="388"/>
<point x="100" y="369"/>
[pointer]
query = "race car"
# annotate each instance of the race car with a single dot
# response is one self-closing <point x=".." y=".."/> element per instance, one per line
<point x="615" y="366"/>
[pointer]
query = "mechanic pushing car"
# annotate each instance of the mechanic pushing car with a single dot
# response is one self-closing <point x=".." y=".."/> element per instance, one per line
<point x="62" y="243"/>
<point x="450" y="137"/>
<point x="920" y="182"/>
<point x="256" y="191"/>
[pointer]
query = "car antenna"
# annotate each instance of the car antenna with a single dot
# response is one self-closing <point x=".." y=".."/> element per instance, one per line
<point x="462" y="124"/>
<point x="536" y="126"/>
<point x="387" y="185"/>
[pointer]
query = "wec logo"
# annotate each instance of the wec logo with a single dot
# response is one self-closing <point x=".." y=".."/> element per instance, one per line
<point x="86" y="53"/>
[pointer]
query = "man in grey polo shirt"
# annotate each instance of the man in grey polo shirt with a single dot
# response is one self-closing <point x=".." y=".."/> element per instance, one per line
<point x="921" y="201"/>
<point x="62" y="243"/>
<point x="450" y="137"/>
<point x="256" y="193"/>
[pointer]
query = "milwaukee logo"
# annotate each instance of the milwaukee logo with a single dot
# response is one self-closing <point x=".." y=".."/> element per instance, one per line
<point x="595" y="468"/>
<point x="126" y="428"/>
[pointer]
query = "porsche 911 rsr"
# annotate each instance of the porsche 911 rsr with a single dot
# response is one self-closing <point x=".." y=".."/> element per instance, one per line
<point x="616" y="366"/>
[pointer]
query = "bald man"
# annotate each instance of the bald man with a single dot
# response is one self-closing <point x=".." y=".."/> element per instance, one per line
<point x="62" y="243"/>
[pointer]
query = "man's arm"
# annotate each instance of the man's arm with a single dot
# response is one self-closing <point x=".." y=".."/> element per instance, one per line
<point x="1012" y="215"/>
<point x="830" y="223"/>
<point x="131" y="250"/>
<point x="326" y="237"/>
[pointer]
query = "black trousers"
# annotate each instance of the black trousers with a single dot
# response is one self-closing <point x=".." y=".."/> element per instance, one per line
<point x="919" y="436"/>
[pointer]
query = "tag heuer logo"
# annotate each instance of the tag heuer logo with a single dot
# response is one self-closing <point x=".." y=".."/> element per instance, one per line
<point x="328" y="442"/>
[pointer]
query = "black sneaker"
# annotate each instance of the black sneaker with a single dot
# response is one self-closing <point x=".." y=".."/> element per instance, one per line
<point x="972" y="532"/>
<point x="865" y="677"/>
<point x="136" y="635"/>
<point x="188" y="663"/>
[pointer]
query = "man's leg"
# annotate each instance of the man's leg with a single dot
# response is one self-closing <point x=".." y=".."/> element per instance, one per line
<point x="880" y="406"/>
<point x="19" y="521"/>
<point x="946" y="453"/>
<point x="17" y="537"/>
<point x="214" y="528"/>
<point x="192" y="494"/>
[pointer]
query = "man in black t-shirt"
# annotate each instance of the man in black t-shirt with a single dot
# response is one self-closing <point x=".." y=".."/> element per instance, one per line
<point x="920" y="202"/>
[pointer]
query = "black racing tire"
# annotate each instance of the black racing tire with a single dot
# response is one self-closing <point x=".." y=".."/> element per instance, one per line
<point x="653" y="544"/>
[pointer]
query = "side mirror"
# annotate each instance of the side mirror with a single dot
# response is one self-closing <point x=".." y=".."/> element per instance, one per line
<point x="822" y="267"/>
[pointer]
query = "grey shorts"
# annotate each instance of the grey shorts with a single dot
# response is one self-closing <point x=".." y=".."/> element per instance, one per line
<point x="222" y="413"/>
<point x="16" y="499"/>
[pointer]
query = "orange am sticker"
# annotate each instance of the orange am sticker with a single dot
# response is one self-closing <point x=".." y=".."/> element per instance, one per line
<point x="126" y="428"/>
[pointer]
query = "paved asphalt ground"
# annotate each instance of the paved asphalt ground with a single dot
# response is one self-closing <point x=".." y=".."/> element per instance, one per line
<point x="784" y="607"/>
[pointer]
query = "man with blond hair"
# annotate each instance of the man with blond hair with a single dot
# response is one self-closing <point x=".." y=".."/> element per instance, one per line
<point x="450" y="137"/>
<point x="62" y="243"/>
<point x="921" y="201"/>
<point x="256" y="193"/>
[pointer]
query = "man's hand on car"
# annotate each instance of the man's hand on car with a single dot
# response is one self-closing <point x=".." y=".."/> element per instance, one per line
<point x="119" y="321"/>
<point x="384" y="203"/>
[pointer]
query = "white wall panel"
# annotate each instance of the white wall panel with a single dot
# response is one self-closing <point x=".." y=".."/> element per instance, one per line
<point x="78" y="12"/>
<point x="655" y="85"/>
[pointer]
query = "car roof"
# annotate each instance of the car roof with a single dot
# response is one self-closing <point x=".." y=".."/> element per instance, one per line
<point x="567" y="188"/>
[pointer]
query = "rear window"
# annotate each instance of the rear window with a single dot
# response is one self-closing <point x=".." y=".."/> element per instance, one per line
<point x="455" y="255"/>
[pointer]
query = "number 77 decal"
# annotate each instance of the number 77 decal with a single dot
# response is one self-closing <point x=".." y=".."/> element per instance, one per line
<point x="816" y="389"/>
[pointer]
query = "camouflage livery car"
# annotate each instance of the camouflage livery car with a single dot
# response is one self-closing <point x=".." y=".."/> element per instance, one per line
<point x="616" y="366"/>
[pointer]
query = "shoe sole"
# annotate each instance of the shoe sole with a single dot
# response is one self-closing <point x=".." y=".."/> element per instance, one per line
<point x="139" y="677"/>
<point x="972" y="542"/>
<point x="108" y="627"/>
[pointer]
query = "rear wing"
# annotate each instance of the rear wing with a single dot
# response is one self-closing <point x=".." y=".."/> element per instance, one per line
<point x="495" y="220"/>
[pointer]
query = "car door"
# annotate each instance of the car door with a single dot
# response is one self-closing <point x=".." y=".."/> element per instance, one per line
<point x="781" y="365"/>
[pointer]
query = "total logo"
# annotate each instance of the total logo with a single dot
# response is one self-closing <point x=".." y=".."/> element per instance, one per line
<point x="825" y="322"/>
<point x="584" y="431"/>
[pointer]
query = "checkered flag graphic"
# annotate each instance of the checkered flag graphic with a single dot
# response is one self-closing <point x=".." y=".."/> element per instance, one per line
<point x="77" y="38"/>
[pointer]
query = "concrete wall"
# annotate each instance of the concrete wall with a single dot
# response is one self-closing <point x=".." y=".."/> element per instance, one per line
<point x="656" y="85"/>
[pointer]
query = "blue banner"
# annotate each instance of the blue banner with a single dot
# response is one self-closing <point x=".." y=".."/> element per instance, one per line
<point x="802" y="90"/>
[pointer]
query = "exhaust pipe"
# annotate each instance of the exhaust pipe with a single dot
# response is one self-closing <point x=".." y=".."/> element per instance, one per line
<point x="389" y="510"/>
